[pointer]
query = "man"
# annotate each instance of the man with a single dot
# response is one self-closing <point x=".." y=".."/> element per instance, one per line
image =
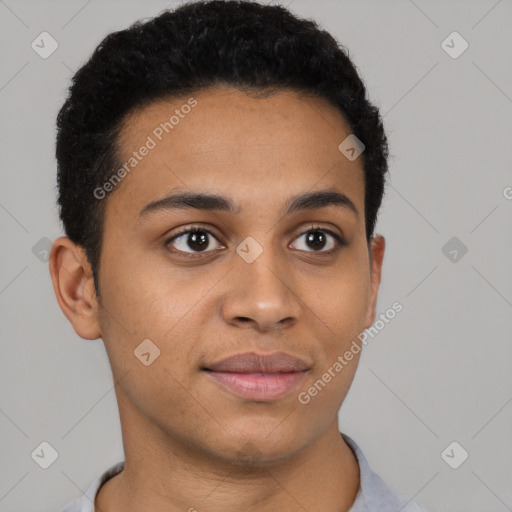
<point x="220" y="170"/>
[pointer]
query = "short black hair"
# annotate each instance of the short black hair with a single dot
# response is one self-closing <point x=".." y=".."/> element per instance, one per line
<point x="238" y="43"/>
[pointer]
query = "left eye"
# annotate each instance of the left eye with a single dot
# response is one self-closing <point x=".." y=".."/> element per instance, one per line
<point x="318" y="238"/>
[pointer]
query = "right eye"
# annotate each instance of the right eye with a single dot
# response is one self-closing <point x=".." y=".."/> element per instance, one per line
<point x="191" y="240"/>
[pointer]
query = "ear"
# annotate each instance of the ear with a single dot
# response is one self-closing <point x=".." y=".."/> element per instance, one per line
<point x="377" y="247"/>
<point x="74" y="287"/>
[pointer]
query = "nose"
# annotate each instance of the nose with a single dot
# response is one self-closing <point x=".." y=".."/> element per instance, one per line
<point x="261" y="295"/>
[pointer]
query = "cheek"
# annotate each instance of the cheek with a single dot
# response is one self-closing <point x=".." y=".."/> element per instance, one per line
<point x="342" y="303"/>
<point x="140" y="305"/>
<point x="146" y="302"/>
<point x="340" y="313"/>
<point x="141" y="298"/>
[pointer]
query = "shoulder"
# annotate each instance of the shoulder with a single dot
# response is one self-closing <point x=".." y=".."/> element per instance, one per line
<point x="86" y="502"/>
<point x="374" y="494"/>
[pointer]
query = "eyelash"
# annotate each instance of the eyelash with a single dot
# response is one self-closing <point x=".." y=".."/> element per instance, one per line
<point x="339" y="240"/>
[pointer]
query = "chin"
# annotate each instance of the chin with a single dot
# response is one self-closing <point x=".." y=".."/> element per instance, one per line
<point x="260" y="447"/>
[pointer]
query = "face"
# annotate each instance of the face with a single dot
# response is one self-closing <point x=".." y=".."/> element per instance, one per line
<point x="253" y="270"/>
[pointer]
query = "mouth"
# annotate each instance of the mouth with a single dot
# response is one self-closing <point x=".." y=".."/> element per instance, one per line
<point x="259" y="377"/>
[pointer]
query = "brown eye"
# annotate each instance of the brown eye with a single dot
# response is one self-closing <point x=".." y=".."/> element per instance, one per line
<point x="192" y="240"/>
<point x="316" y="240"/>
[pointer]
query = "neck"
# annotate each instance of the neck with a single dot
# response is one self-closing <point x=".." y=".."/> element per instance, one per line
<point x="163" y="474"/>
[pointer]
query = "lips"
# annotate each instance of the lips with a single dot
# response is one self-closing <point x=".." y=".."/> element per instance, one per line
<point x="259" y="377"/>
<point x="251" y="362"/>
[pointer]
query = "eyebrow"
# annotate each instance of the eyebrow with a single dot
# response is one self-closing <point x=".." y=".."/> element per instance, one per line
<point x="214" y="202"/>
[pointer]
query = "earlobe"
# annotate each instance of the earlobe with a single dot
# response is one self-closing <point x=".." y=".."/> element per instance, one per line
<point x="74" y="287"/>
<point x="377" y="248"/>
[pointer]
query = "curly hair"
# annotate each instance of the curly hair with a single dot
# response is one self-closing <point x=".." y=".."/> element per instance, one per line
<point x="240" y="43"/>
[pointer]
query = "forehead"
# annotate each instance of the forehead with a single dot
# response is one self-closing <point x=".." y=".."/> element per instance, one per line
<point x="257" y="150"/>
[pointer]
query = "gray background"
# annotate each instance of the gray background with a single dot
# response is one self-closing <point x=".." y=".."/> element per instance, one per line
<point x="439" y="372"/>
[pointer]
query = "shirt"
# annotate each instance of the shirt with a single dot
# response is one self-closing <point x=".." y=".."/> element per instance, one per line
<point x="373" y="494"/>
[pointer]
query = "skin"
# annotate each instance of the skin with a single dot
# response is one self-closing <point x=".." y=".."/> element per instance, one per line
<point x="189" y="444"/>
